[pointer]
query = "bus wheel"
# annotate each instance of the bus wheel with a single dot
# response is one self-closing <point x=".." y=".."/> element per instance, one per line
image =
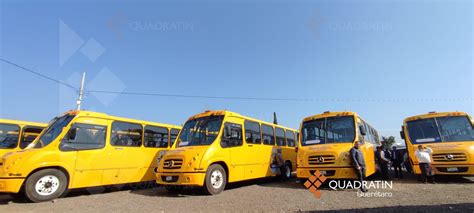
<point x="287" y="174"/>
<point x="45" y="185"/>
<point x="216" y="179"/>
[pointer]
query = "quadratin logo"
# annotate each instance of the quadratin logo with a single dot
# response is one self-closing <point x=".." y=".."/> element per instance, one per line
<point x="314" y="182"/>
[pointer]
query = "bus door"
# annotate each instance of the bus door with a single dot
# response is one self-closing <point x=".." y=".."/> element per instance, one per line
<point x="233" y="141"/>
<point x="86" y="140"/>
<point x="126" y="141"/>
<point x="253" y="139"/>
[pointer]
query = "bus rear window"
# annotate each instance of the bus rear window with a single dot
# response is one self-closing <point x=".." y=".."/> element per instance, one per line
<point x="9" y="136"/>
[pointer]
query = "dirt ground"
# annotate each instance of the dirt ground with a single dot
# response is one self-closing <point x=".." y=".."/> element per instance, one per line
<point x="451" y="194"/>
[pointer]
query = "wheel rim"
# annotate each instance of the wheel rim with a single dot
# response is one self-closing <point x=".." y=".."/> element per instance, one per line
<point x="47" y="185"/>
<point x="217" y="179"/>
<point x="287" y="171"/>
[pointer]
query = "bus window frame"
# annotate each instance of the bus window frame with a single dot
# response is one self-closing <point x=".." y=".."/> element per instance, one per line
<point x="259" y="129"/>
<point x="119" y="121"/>
<point x="23" y="133"/>
<point x="156" y="126"/>
<point x="223" y="135"/>
<point x="18" y="137"/>
<point x="273" y="135"/>
<point x="63" y="149"/>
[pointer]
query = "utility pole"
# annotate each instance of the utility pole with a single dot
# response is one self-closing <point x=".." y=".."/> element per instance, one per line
<point x="275" y="121"/>
<point x="81" y="92"/>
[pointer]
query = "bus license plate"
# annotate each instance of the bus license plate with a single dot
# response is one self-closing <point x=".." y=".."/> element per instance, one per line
<point x="452" y="169"/>
<point x="323" y="172"/>
<point x="169" y="178"/>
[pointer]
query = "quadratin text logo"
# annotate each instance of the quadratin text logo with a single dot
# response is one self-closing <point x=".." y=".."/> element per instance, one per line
<point x="314" y="182"/>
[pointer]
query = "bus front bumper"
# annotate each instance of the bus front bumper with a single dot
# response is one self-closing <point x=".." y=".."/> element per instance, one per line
<point x="189" y="179"/>
<point x="10" y="185"/>
<point x="329" y="172"/>
<point x="447" y="169"/>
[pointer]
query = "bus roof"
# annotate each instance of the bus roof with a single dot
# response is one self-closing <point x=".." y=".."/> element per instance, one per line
<point x="110" y="117"/>
<point x="23" y="123"/>
<point x="234" y="114"/>
<point x="434" y="115"/>
<point x="328" y="114"/>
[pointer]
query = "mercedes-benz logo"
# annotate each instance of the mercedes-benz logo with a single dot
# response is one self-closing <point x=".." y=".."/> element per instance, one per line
<point x="449" y="157"/>
<point x="320" y="159"/>
<point x="168" y="164"/>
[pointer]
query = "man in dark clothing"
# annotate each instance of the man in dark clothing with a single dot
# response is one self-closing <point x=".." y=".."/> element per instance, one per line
<point x="383" y="163"/>
<point x="359" y="164"/>
<point x="397" y="159"/>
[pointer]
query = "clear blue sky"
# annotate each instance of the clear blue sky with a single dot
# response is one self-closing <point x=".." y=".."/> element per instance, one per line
<point x="380" y="50"/>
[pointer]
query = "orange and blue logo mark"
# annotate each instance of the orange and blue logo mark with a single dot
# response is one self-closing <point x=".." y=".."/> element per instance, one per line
<point x="314" y="182"/>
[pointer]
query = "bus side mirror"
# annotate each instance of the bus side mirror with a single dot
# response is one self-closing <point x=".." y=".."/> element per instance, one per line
<point x="71" y="135"/>
<point x="227" y="131"/>
<point x="402" y="134"/>
<point x="362" y="130"/>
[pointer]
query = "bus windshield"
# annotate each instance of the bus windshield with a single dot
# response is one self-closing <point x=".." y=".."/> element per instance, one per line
<point x="339" y="129"/>
<point x="200" y="131"/>
<point x="55" y="127"/>
<point x="9" y="136"/>
<point x="441" y="129"/>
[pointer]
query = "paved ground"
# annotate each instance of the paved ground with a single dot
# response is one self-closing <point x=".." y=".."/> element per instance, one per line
<point x="450" y="194"/>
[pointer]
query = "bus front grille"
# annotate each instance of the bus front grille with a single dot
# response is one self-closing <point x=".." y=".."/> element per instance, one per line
<point x="321" y="159"/>
<point x="449" y="157"/>
<point x="173" y="164"/>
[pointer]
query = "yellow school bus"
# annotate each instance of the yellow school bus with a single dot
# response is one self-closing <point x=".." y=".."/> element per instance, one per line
<point x="85" y="149"/>
<point x="218" y="147"/>
<point x="16" y="135"/>
<point x="451" y="137"/>
<point x="325" y="143"/>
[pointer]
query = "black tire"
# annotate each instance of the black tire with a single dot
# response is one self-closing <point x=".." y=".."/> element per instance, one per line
<point x="55" y="185"/>
<point x="287" y="171"/>
<point x="212" y="174"/>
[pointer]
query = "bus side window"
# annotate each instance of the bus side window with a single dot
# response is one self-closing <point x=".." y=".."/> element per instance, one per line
<point x="173" y="135"/>
<point x="126" y="134"/>
<point x="280" y="137"/>
<point x="29" y="135"/>
<point x="268" y="135"/>
<point x="252" y="132"/>
<point x="9" y="136"/>
<point x="156" y="137"/>
<point x="232" y="136"/>
<point x="84" y="137"/>
<point x="290" y="138"/>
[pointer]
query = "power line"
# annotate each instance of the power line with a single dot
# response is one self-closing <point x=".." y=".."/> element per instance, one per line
<point x="291" y="99"/>
<point x="361" y="100"/>
<point x="198" y="96"/>
<point x="38" y="74"/>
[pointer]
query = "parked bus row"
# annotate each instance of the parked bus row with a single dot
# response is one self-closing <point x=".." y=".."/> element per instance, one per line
<point x="86" y="149"/>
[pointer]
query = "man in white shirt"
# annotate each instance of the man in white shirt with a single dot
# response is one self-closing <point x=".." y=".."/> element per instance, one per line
<point x="423" y="154"/>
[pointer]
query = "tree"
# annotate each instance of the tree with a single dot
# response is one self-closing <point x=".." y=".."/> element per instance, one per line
<point x="388" y="142"/>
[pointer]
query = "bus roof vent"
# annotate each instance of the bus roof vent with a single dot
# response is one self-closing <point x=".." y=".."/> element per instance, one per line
<point x="432" y="112"/>
<point x="326" y="112"/>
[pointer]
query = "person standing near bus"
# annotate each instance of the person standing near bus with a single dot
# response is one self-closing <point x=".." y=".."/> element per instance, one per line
<point x="397" y="159"/>
<point x="423" y="154"/>
<point x="383" y="163"/>
<point x="359" y="164"/>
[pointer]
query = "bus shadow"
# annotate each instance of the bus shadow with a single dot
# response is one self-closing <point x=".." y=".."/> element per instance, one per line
<point x="188" y="191"/>
<point x="7" y="198"/>
<point x="461" y="207"/>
